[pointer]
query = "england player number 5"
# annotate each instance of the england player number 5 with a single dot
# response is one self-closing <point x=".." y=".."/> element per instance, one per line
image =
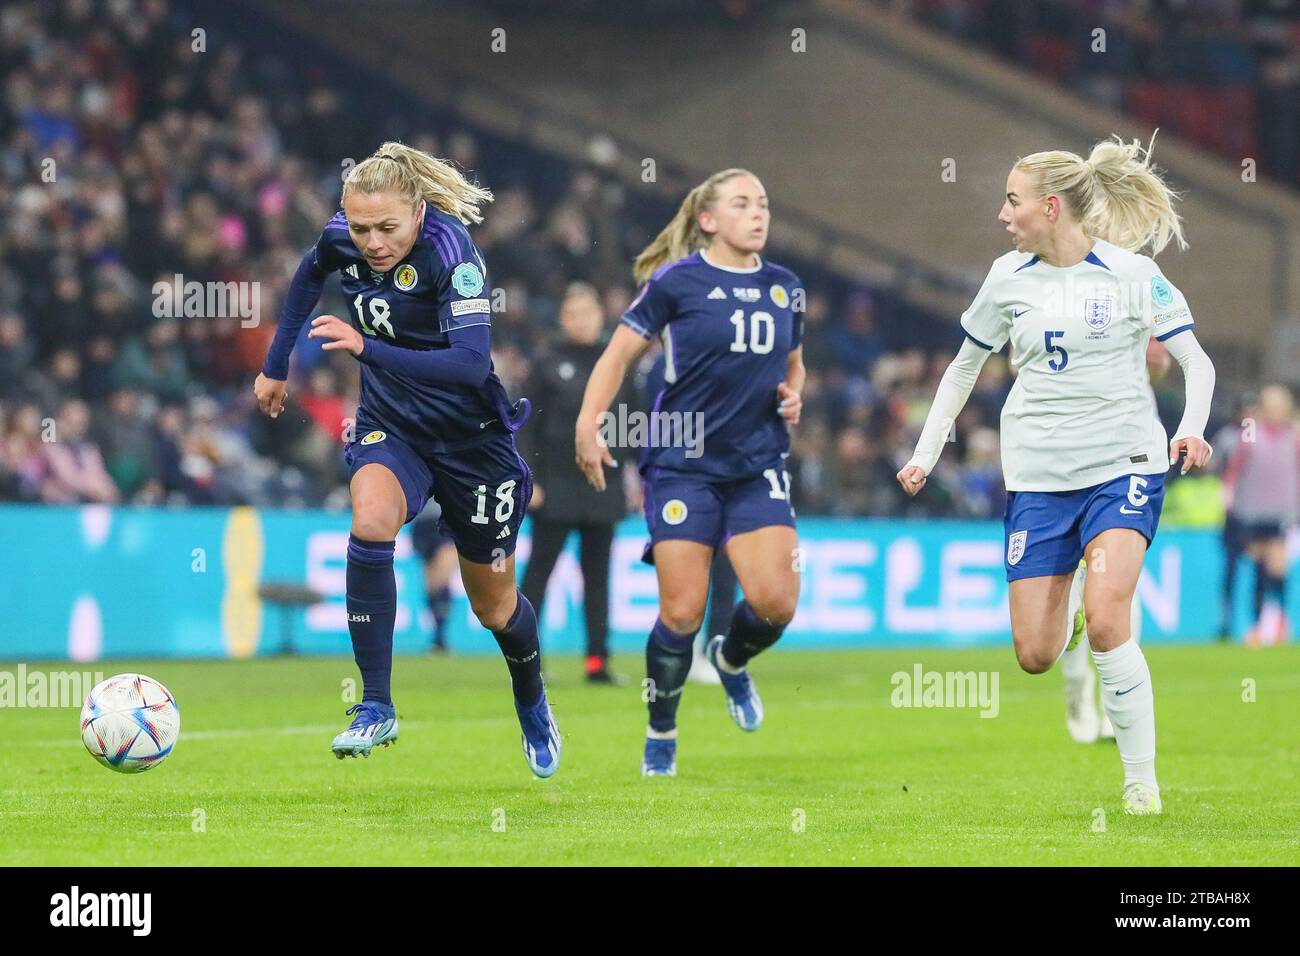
<point x="1055" y="364"/>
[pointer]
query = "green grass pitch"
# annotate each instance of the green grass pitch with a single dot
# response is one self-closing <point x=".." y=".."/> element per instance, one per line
<point x="836" y="776"/>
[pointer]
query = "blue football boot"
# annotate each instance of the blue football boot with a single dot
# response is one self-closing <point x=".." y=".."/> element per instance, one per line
<point x="375" y="725"/>
<point x="660" y="758"/>
<point x="541" y="738"/>
<point x="743" y="702"/>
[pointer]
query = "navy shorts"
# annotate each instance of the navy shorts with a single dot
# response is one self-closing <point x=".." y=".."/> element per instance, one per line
<point x="1047" y="531"/>
<point x="484" y="490"/>
<point x="1265" y="529"/>
<point x="681" y="507"/>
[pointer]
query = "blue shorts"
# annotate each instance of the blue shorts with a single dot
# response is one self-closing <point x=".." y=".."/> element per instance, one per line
<point x="1047" y="531"/>
<point x="681" y="507"/>
<point x="484" y="490"/>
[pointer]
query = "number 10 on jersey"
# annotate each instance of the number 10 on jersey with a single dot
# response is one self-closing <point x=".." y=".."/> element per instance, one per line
<point x="762" y="332"/>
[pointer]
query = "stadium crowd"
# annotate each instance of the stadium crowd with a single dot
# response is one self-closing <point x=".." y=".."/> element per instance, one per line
<point x="130" y="162"/>
<point x="1222" y="73"/>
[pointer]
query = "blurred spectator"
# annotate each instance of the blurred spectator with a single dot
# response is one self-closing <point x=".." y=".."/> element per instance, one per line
<point x="981" y="477"/>
<point x="1262" y="485"/>
<point x="127" y="441"/>
<point x="323" y="401"/>
<point x="856" y="342"/>
<point x="71" y="467"/>
<point x="563" y="501"/>
<point x="16" y="355"/>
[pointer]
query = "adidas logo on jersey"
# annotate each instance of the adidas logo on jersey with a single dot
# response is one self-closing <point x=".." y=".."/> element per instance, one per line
<point x="505" y="533"/>
<point x="352" y="271"/>
<point x="717" y="293"/>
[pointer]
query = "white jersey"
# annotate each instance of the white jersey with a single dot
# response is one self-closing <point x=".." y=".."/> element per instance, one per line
<point x="1081" y="411"/>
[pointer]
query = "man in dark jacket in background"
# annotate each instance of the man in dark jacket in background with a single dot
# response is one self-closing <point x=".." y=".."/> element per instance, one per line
<point x="563" y="501"/>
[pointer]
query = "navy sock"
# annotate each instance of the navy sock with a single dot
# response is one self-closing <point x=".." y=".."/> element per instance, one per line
<point x="440" y="608"/>
<point x="748" y="636"/>
<point x="722" y="596"/>
<point x="1274" y="588"/>
<point x="372" y="609"/>
<point x="1261" y="584"/>
<point x="667" y="661"/>
<point x="523" y="652"/>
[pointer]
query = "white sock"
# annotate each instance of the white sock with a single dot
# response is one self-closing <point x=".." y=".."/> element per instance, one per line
<point x="661" y="734"/>
<point x="1270" y="625"/>
<point x="1129" y="702"/>
<point x="1075" y="663"/>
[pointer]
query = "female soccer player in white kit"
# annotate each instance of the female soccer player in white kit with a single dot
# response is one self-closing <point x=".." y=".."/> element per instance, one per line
<point x="1082" y="446"/>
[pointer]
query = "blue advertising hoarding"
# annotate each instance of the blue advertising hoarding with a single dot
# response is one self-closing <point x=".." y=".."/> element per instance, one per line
<point x="93" y="582"/>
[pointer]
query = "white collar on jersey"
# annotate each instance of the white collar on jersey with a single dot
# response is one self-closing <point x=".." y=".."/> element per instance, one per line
<point x="708" y="261"/>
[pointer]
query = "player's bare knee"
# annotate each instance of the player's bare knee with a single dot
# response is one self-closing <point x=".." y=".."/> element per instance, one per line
<point x="375" y="515"/>
<point x="681" y="620"/>
<point x="774" y="607"/>
<point x="493" y="614"/>
<point x="375" y="524"/>
<point x="1033" y="659"/>
<point x="1106" y="632"/>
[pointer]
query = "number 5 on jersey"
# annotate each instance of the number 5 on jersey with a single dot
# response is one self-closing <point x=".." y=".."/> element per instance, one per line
<point x="1059" y="356"/>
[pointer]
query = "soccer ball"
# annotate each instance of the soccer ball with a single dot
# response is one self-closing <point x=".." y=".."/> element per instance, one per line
<point x="130" y="723"/>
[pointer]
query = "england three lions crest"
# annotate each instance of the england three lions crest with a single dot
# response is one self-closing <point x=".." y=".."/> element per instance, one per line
<point x="1097" y="313"/>
<point x="1016" y="547"/>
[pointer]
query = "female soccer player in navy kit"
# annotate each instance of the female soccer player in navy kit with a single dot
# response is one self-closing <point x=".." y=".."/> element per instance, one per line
<point x="1083" y="450"/>
<point x="432" y="414"/>
<point x="730" y="324"/>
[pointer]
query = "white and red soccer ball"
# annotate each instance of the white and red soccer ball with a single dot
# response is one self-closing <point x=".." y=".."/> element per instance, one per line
<point x="130" y="723"/>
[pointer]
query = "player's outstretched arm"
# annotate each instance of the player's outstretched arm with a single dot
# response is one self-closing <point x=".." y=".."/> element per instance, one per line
<point x="590" y="453"/>
<point x="304" y="292"/>
<point x="1198" y="378"/>
<point x="949" y="400"/>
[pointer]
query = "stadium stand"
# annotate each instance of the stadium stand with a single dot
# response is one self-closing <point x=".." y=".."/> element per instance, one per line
<point x="127" y="167"/>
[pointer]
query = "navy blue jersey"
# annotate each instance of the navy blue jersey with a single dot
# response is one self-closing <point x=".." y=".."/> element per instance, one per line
<point x="727" y="336"/>
<point x="440" y="286"/>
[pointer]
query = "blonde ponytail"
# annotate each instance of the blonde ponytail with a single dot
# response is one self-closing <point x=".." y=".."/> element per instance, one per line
<point x="1116" y="193"/>
<point x="414" y="175"/>
<point x="682" y="235"/>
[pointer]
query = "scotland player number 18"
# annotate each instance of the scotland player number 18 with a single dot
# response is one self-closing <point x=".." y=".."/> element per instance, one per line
<point x="432" y="416"/>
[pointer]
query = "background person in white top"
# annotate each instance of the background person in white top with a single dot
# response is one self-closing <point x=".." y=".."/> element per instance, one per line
<point x="1082" y="447"/>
